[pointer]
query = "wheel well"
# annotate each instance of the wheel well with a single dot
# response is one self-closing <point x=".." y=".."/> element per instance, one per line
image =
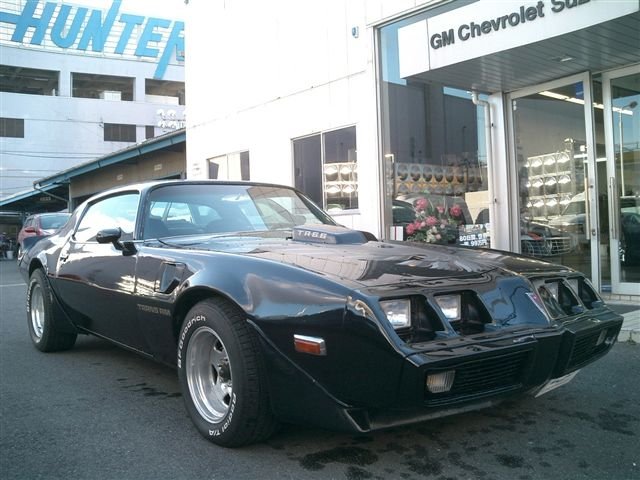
<point x="187" y="301"/>
<point x="34" y="265"/>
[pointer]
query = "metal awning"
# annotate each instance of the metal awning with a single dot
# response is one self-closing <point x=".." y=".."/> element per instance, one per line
<point x="164" y="142"/>
<point x="598" y="48"/>
<point x="52" y="198"/>
<point x="51" y="194"/>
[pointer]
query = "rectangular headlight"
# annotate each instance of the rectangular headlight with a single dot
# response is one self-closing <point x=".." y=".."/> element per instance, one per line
<point x="450" y="305"/>
<point x="398" y="312"/>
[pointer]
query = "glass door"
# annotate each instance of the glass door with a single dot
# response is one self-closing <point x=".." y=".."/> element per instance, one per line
<point x="552" y="144"/>
<point x="621" y="94"/>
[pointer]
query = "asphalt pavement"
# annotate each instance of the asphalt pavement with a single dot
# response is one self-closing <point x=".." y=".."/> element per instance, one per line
<point x="98" y="412"/>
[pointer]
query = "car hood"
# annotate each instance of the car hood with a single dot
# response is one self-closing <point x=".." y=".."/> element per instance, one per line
<point x="373" y="263"/>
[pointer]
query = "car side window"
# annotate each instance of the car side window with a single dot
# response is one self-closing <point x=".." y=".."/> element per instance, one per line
<point x="175" y="218"/>
<point x="113" y="212"/>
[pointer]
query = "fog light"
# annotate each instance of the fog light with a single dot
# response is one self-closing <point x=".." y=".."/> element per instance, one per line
<point x="440" y="382"/>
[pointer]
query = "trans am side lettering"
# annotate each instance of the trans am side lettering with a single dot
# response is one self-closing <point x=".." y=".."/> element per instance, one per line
<point x="151" y="309"/>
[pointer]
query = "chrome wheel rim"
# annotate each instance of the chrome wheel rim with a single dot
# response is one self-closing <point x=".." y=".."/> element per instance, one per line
<point x="36" y="309"/>
<point x="208" y="373"/>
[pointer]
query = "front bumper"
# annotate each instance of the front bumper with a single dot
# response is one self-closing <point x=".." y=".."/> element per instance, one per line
<point x="491" y="370"/>
<point x="488" y="368"/>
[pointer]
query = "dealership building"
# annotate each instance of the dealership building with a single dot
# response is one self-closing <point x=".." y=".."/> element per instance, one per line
<point x="79" y="81"/>
<point x="513" y="125"/>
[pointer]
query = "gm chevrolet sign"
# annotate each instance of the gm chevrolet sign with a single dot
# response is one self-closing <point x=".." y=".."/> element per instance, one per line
<point x="490" y="26"/>
<point x="79" y="28"/>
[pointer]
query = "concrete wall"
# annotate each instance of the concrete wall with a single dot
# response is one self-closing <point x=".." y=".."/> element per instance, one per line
<point x="62" y="131"/>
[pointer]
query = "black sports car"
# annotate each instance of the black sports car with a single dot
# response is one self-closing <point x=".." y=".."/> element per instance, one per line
<point x="273" y="312"/>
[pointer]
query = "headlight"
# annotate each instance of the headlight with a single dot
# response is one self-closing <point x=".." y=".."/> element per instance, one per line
<point x="398" y="312"/>
<point x="450" y="306"/>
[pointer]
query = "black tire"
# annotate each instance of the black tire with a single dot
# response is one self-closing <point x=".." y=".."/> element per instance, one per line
<point x="41" y="317"/>
<point x="221" y="374"/>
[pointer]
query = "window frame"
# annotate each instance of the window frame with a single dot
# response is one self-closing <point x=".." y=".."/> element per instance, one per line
<point x="240" y="159"/>
<point x="323" y="164"/>
<point x="15" y="124"/>
<point x="127" y="235"/>
<point x="110" y="127"/>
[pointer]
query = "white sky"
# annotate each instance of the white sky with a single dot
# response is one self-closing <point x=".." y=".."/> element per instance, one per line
<point x="169" y="9"/>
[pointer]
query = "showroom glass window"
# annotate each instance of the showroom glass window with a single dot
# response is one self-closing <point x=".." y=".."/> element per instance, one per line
<point x="325" y="168"/>
<point x="435" y="162"/>
<point x="114" y="212"/>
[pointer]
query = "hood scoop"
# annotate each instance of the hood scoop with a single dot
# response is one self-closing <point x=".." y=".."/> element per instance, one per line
<point x="331" y="235"/>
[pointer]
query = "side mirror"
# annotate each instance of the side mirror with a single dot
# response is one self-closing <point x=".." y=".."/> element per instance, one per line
<point x="112" y="235"/>
<point x="109" y="235"/>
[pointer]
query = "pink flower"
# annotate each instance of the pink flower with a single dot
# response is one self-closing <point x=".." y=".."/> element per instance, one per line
<point x="440" y="209"/>
<point x="438" y="236"/>
<point x="431" y="221"/>
<point x="411" y="229"/>
<point x="456" y="211"/>
<point x="421" y="204"/>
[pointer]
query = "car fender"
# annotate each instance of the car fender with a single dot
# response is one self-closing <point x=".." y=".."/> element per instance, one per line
<point x="282" y="301"/>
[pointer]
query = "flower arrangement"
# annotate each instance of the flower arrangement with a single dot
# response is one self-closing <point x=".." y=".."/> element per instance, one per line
<point x="434" y="224"/>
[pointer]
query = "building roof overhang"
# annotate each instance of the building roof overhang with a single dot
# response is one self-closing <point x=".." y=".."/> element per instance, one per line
<point x="52" y="193"/>
<point x="599" y="48"/>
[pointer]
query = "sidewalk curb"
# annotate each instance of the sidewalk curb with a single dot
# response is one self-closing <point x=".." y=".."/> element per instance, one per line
<point x="630" y="331"/>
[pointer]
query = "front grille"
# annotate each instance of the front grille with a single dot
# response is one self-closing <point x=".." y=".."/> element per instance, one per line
<point x="480" y="378"/>
<point x="585" y="348"/>
<point x="547" y="246"/>
<point x="559" y="245"/>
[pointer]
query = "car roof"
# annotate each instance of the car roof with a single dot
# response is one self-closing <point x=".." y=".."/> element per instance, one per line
<point x="143" y="186"/>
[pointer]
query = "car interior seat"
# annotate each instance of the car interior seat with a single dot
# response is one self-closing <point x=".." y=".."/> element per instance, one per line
<point x="154" y="227"/>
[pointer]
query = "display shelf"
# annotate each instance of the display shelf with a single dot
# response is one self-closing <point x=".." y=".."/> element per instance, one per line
<point x="553" y="179"/>
<point x="341" y="183"/>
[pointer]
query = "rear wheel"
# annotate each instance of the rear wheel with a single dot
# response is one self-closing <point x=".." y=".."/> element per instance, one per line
<point x="41" y="317"/>
<point x="222" y="375"/>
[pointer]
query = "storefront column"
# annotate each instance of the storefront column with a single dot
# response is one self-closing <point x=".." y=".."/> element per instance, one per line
<point x="502" y="236"/>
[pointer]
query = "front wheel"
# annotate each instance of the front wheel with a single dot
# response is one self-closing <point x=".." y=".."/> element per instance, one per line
<point x="41" y="317"/>
<point x="222" y="377"/>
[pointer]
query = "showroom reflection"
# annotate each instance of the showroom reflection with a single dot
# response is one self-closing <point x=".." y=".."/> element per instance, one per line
<point x="625" y="121"/>
<point x="551" y="158"/>
<point x="435" y="164"/>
